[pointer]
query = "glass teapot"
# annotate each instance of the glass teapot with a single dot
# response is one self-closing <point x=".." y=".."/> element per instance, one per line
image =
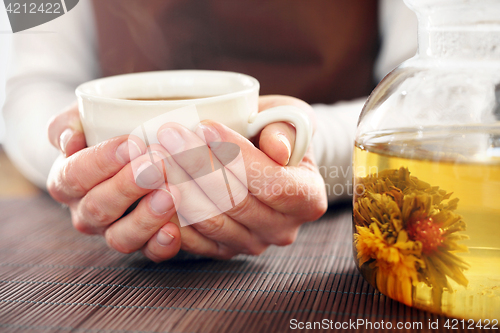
<point x="426" y="215"/>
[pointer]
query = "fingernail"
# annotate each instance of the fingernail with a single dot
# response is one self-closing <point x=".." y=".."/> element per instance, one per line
<point x="285" y="141"/>
<point x="64" y="139"/>
<point x="171" y="140"/>
<point x="164" y="238"/>
<point x="162" y="201"/>
<point x="128" y="151"/>
<point x="76" y="125"/>
<point x="148" y="176"/>
<point x="209" y="134"/>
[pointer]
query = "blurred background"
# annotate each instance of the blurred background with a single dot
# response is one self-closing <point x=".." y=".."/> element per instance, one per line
<point x="12" y="183"/>
<point x="5" y="39"/>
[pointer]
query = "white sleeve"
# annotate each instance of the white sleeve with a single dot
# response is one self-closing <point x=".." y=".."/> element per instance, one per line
<point x="48" y="63"/>
<point x="334" y="138"/>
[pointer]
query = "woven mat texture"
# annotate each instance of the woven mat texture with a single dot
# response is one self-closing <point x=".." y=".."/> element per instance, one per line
<point x="53" y="279"/>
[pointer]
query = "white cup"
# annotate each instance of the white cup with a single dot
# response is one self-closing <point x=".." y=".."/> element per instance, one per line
<point x="108" y="109"/>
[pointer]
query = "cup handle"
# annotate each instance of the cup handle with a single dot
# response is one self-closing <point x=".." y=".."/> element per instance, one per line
<point x="286" y="113"/>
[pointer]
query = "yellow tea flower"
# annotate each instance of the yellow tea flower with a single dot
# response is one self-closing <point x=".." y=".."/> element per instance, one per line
<point x="406" y="233"/>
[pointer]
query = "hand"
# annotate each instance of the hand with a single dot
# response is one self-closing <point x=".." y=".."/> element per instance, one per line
<point x="266" y="203"/>
<point x="97" y="184"/>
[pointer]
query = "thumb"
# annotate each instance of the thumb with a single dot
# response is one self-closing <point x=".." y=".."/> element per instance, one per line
<point x="66" y="133"/>
<point x="277" y="141"/>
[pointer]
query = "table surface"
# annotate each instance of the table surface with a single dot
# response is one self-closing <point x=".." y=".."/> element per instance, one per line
<point x="53" y="279"/>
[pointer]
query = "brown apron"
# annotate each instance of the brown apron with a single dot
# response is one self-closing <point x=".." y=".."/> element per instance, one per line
<point x="320" y="51"/>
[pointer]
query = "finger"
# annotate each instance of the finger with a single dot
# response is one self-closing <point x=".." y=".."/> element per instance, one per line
<point x="199" y="208"/>
<point x="266" y="224"/>
<point x="297" y="191"/>
<point x="66" y="133"/>
<point x="76" y="175"/>
<point x="194" y="242"/>
<point x="108" y="201"/>
<point x="239" y="212"/>
<point x="192" y="155"/>
<point x="165" y="244"/>
<point x="132" y="231"/>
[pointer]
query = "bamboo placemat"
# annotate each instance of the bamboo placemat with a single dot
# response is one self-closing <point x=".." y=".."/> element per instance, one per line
<point x="53" y="279"/>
